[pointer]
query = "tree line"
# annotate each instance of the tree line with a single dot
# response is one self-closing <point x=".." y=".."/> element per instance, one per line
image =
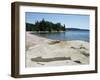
<point x="45" y="26"/>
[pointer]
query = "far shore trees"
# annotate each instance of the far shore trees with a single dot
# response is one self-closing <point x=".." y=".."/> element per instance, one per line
<point x="44" y="26"/>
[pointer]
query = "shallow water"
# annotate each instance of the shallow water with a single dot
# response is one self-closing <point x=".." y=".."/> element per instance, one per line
<point x="67" y="35"/>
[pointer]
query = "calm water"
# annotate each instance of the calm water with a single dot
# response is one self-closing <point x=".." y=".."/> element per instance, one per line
<point x="68" y="35"/>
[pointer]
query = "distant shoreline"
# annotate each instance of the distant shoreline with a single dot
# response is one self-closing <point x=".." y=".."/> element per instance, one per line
<point x="69" y="29"/>
<point x="76" y="29"/>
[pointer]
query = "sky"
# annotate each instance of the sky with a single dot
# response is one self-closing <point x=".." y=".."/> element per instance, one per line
<point x="70" y="20"/>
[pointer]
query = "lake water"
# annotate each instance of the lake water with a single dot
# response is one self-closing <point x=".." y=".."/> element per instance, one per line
<point x="67" y="35"/>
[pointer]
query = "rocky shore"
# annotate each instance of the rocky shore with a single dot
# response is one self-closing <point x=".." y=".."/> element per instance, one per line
<point x="46" y="52"/>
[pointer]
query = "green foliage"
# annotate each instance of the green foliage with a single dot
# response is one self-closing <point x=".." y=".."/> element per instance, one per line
<point x="30" y="27"/>
<point x="45" y="26"/>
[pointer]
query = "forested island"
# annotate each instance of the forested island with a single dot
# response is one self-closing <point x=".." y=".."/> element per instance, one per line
<point x="47" y="26"/>
<point x="44" y="25"/>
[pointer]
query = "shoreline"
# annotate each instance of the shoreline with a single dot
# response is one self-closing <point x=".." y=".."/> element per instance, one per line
<point x="46" y="35"/>
<point x="40" y="48"/>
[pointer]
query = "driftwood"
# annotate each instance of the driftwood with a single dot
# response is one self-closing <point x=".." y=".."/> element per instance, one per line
<point x="40" y="59"/>
<point x="54" y="42"/>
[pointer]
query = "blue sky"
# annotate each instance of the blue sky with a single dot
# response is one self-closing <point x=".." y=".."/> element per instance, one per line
<point x="70" y="20"/>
